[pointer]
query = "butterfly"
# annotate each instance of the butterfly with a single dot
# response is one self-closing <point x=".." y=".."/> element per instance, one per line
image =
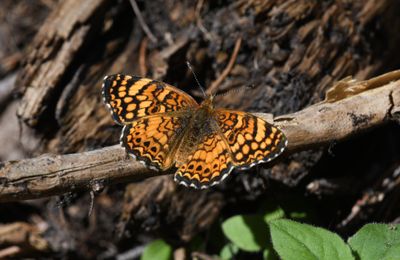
<point x="164" y="127"/>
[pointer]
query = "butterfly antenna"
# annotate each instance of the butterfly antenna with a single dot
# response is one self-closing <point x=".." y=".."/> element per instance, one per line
<point x="236" y="90"/>
<point x="195" y="77"/>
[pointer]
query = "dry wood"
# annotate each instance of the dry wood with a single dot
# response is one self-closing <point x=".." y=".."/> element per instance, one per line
<point x="326" y="122"/>
<point x="53" y="51"/>
<point x="19" y="238"/>
<point x="57" y="174"/>
<point x="316" y="125"/>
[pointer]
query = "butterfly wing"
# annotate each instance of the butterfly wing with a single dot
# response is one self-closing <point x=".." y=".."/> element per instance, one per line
<point x="233" y="139"/>
<point x="153" y="139"/>
<point x="251" y="139"/>
<point x="208" y="164"/>
<point x="131" y="97"/>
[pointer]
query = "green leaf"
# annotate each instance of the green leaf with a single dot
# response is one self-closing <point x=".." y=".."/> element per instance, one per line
<point x="158" y="249"/>
<point x="229" y="251"/>
<point x="275" y="213"/>
<point x="293" y="240"/>
<point x="248" y="232"/>
<point x="377" y="241"/>
<point x="269" y="253"/>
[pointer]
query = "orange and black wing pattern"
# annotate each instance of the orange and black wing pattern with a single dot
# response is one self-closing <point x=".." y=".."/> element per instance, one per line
<point x="251" y="140"/>
<point x="165" y="127"/>
<point x="130" y="97"/>
<point x="207" y="165"/>
<point x="153" y="139"/>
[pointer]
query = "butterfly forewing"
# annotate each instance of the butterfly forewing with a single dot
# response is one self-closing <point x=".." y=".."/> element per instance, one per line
<point x="131" y="97"/>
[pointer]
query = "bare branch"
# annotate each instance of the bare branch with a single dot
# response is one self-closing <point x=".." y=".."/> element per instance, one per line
<point x="141" y="21"/>
<point x="316" y="125"/>
<point x="213" y="88"/>
<point x="326" y="122"/>
<point x="57" y="174"/>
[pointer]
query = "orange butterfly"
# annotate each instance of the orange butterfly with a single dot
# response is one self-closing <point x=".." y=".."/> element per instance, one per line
<point x="164" y="127"/>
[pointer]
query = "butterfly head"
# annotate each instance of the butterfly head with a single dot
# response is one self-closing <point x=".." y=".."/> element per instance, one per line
<point x="208" y="102"/>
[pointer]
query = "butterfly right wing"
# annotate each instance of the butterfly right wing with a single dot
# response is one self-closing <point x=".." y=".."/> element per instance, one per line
<point x="131" y="97"/>
<point x="153" y="139"/>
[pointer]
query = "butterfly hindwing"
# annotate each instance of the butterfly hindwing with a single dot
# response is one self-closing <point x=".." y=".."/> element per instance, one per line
<point x="153" y="139"/>
<point x="251" y="139"/>
<point x="130" y="97"/>
<point x="208" y="164"/>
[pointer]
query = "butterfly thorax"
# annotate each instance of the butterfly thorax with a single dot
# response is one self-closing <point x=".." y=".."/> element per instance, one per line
<point x="208" y="102"/>
<point x="201" y="124"/>
<point x="205" y="110"/>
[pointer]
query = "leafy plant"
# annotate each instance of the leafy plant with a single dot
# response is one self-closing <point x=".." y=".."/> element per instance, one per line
<point x="228" y="251"/>
<point x="293" y="240"/>
<point x="272" y="235"/>
<point x="158" y="249"/>
<point x="247" y="232"/>
<point x="377" y="241"/>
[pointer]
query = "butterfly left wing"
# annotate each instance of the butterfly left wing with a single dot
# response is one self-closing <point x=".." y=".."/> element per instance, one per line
<point x="251" y="139"/>
<point x="130" y="97"/>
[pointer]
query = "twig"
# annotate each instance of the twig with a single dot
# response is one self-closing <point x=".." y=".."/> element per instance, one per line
<point x="228" y="68"/>
<point x="11" y="251"/>
<point x="142" y="57"/>
<point x="316" y="125"/>
<point x="199" y="21"/>
<point x="142" y="23"/>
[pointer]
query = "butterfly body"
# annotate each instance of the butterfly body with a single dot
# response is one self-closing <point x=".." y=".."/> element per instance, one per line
<point x="201" y="123"/>
<point x="164" y="127"/>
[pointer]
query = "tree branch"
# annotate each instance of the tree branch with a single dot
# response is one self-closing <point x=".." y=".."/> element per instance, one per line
<point x="315" y="125"/>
